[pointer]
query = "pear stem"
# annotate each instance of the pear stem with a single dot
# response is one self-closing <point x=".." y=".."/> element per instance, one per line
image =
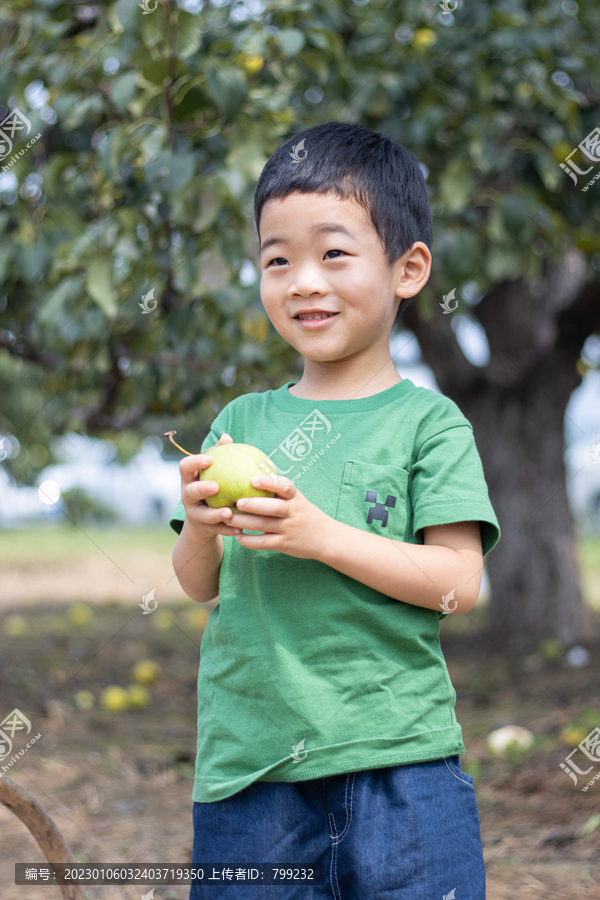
<point x="170" y="434"/>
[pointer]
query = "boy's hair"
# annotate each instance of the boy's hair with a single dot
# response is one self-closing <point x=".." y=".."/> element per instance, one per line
<point x="354" y="162"/>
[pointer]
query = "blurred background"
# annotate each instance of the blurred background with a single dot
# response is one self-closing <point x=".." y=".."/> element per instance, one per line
<point x="131" y="139"/>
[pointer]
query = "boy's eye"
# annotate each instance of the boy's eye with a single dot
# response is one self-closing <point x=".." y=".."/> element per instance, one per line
<point x="280" y="259"/>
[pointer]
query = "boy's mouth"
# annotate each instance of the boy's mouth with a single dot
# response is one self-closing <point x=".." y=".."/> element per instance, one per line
<point x="315" y="314"/>
<point x="317" y="319"/>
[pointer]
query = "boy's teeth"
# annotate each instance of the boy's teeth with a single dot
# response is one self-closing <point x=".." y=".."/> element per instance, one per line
<point x="316" y="316"/>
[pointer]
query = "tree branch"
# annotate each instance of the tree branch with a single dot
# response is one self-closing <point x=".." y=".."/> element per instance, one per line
<point x="96" y="418"/>
<point x="521" y="320"/>
<point x="441" y="351"/>
<point x="169" y="359"/>
<point x="18" y="346"/>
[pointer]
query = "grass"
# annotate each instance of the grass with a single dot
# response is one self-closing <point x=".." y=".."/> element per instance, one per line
<point x="62" y="543"/>
<point x="588" y="554"/>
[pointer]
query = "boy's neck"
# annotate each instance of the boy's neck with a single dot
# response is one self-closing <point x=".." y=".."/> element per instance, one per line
<point x="335" y="385"/>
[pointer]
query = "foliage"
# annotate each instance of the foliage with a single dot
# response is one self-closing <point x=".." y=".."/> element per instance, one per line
<point x="154" y="128"/>
<point x="83" y="509"/>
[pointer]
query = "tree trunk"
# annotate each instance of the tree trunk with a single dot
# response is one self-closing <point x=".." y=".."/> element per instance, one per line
<point x="533" y="571"/>
<point x="516" y="404"/>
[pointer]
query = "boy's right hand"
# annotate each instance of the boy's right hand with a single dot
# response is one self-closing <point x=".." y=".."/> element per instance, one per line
<point x="202" y="518"/>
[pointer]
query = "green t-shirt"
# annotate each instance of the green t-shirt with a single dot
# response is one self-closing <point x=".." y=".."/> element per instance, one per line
<point x="306" y="672"/>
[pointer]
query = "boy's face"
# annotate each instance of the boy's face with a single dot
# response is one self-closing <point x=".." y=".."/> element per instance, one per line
<point x="313" y="265"/>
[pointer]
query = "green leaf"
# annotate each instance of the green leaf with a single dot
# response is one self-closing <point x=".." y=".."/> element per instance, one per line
<point x="504" y="265"/>
<point x="123" y="90"/>
<point x="32" y="262"/>
<point x="170" y="173"/>
<point x="458" y="255"/>
<point x="318" y="40"/>
<point x="190" y="103"/>
<point x="227" y="89"/>
<point x="213" y="271"/>
<point x="248" y="159"/>
<point x="209" y="210"/>
<point x="98" y="282"/>
<point x="316" y="62"/>
<point x="291" y="41"/>
<point x="188" y="35"/>
<point x="50" y="310"/>
<point x="456" y="185"/>
<point x="129" y="15"/>
<point x="514" y="214"/>
<point x="156" y="71"/>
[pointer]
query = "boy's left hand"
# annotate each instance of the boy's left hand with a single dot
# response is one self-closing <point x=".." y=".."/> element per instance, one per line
<point x="292" y="524"/>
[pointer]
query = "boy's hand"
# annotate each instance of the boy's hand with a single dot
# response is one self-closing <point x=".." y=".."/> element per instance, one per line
<point x="292" y="524"/>
<point x="201" y="518"/>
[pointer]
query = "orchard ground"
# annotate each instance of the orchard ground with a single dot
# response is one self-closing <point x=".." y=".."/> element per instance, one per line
<point x="119" y="783"/>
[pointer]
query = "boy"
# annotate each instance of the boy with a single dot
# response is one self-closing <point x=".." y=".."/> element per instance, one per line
<point x="326" y="726"/>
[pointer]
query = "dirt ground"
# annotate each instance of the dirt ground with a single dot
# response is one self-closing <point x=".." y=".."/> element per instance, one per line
<point x="119" y="784"/>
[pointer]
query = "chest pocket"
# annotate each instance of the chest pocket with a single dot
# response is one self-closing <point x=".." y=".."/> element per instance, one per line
<point x="375" y="498"/>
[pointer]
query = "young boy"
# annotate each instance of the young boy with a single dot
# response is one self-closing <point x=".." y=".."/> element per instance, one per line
<point x="326" y="726"/>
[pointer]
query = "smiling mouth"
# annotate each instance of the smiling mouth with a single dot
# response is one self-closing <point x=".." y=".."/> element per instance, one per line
<point x="308" y="317"/>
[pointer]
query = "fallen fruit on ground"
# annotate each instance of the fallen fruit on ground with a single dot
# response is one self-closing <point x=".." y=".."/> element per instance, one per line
<point x="139" y="696"/>
<point x="84" y="699"/>
<point x="145" y="671"/>
<point x="510" y="736"/>
<point x="115" y="698"/>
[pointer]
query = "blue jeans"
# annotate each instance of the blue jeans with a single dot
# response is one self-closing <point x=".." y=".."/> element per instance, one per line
<point x="408" y="832"/>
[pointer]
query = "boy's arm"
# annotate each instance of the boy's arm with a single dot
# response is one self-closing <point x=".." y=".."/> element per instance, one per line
<point x="420" y="574"/>
<point x="196" y="561"/>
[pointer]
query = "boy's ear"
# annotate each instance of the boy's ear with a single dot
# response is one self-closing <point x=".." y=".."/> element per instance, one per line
<point x="413" y="271"/>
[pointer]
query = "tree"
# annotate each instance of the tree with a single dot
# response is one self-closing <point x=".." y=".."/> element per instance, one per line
<point x="154" y="128"/>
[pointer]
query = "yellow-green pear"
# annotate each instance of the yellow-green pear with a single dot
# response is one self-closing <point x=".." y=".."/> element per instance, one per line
<point x="232" y="467"/>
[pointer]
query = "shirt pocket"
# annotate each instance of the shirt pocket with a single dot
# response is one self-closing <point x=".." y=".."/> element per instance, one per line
<point x="375" y="498"/>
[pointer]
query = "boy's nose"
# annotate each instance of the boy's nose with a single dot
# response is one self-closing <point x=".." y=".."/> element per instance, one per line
<point x="307" y="283"/>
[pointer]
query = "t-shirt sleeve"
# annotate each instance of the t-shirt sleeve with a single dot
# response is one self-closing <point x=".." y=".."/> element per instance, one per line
<point x="448" y="485"/>
<point x="218" y="427"/>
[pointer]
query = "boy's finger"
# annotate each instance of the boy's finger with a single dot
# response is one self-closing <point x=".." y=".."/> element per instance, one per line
<point x="192" y="465"/>
<point x="276" y="483"/>
<point x="196" y="490"/>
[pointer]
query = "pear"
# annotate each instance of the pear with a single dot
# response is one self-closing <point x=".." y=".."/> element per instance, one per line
<point x="232" y="468"/>
<point x="115" y="699"/>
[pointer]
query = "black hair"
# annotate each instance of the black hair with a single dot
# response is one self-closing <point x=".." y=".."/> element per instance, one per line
<point x="354" y="162"/>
